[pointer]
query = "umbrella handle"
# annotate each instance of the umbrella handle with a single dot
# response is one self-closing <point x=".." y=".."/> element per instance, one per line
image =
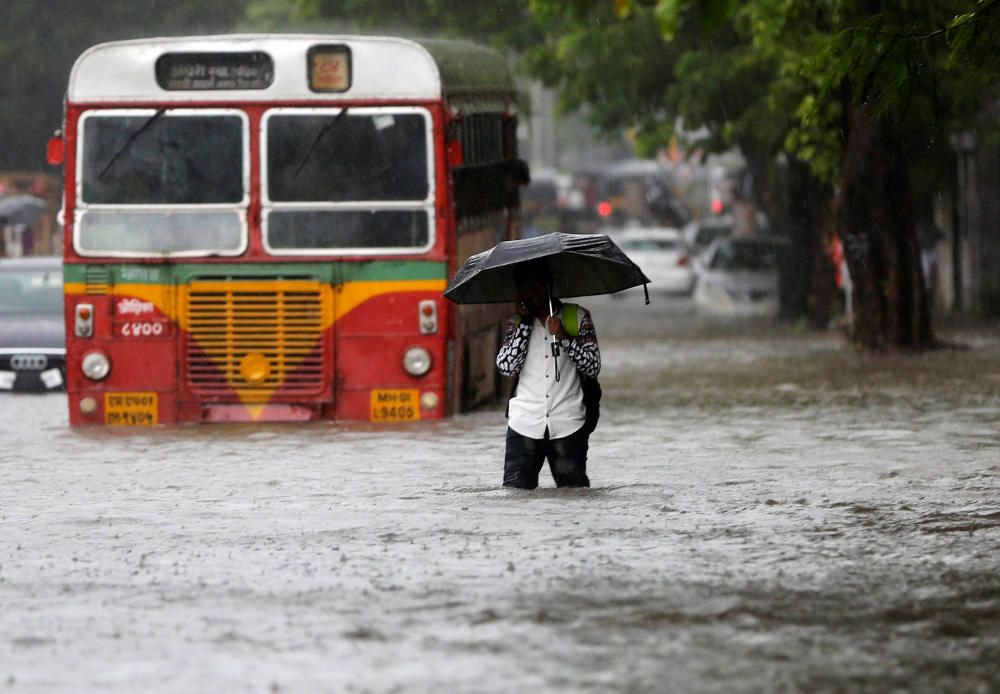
<point x="555" y="343"/>
<point x="645" y="289"/>
<point x="555" y="357"/>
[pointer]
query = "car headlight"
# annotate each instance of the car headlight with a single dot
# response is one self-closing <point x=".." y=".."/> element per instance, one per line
<point x="417" y="361"/>
<point x="95" y="366"/>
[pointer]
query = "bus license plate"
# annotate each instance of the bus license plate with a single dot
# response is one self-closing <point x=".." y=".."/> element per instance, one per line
<point x="395" y="406"/>
<point x="131" y="409"/>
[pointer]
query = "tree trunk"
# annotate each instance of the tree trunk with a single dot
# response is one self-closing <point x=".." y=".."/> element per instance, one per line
<point x="797" y="205"/>
<point x="808" y="273"/>
<point x="874" y="212"/>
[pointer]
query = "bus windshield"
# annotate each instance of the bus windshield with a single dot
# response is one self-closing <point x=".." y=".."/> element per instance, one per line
<point x="347" y="157"/>
<point x="146" y="177"/>
<point x="174" y="160"/>
<point x="348" y="179"/>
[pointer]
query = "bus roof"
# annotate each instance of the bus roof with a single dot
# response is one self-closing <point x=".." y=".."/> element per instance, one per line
<point x="381" y="68"/>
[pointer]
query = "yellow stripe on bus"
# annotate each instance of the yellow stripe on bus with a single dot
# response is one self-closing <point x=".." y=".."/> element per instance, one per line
<point x="347" y="296"/>
<point x="350" y="295"/>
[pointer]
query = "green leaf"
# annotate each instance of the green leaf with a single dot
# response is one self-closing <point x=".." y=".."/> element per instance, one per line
<point x="715" y="13"/>
<point x="668" y="16"/>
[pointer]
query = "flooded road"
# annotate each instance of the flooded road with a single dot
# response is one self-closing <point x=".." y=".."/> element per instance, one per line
<point x="770" y="512"/>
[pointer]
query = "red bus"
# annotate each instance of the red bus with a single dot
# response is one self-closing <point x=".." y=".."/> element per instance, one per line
<point x="259" y="227"/>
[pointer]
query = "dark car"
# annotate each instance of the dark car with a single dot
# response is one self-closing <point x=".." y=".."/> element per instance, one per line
<point x="32" y="330"/>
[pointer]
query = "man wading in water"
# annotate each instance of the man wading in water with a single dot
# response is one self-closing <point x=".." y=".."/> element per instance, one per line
<point x="554" y="359"/>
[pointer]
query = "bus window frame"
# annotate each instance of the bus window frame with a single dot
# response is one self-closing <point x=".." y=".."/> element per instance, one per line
<point x="241" y="208"/>
<point x="427" y="205"/>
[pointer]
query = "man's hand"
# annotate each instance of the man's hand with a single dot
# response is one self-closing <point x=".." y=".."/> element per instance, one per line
<point x="555" y="326"/>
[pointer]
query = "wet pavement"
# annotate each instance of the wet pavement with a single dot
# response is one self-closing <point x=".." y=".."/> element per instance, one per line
<point x="771" y="512"/>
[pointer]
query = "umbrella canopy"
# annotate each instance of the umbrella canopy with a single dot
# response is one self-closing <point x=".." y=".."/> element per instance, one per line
<point x="21" y="209"/>
<point x="578" y="265"/>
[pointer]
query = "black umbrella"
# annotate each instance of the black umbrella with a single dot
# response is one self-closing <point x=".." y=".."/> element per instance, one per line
<point x="578" y="265"/>
<point x="21" y="209"/>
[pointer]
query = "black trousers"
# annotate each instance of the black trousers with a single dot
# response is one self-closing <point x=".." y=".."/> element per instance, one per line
<point x="567" y="459"/>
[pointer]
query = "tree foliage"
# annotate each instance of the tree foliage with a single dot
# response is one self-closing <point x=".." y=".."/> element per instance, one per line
<point x="39" y="41"/>
<point x="775" y="73"/>
<point x="861" y="92"/>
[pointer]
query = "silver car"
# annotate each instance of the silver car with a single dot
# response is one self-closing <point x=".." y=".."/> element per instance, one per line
<point x="32" y="332"/>
<point x="738" y="277"/>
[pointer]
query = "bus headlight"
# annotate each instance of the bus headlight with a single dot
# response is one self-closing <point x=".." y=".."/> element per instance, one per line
<point x="95" y="366"/>
<point x="417" y="361"/>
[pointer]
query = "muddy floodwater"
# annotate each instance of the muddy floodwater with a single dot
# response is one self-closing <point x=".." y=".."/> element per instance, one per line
<point x="770" y="512"/>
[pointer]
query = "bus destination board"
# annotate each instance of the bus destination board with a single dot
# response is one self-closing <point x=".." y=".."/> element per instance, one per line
<point x="214" y="71"/>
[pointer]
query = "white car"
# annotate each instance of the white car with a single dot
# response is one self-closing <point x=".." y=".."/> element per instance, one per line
<point x="738" y="277"/>
<point x="662" y="255"/>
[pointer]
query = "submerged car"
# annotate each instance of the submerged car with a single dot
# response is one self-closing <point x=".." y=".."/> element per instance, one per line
<point x="32" y="330"/>
<point x="738" y="277"/>
<point x="662" y="255"/>
<point x="699" y="234"/>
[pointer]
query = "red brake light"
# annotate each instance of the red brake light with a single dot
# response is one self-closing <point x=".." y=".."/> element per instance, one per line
<point x="682" y="260"/>
<point x="604" y="209"/>
<point x="717" y="206"/>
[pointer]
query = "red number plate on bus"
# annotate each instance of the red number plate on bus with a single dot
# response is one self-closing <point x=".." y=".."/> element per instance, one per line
<point x="395" y="406"/>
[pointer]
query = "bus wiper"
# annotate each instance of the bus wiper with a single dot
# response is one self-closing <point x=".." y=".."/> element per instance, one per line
<point x="131" y="138"/>
<point x="319" y="136"/>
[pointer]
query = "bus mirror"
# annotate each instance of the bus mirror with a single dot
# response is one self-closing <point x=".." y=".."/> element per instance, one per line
<point x="455" y="155"/>
<point x="55" y="153"/>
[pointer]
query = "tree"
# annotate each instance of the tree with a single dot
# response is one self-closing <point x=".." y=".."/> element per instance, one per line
<point x="884" y="85"/>
<point x="39" y="41"/>
<point x="848" y="85"/>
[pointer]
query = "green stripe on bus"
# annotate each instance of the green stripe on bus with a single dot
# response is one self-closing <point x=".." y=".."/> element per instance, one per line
<point x="331" y="271"/>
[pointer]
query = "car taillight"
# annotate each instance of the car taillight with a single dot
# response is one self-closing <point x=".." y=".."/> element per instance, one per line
<point x="604" y="209"/>
<point x="682" y="260"/>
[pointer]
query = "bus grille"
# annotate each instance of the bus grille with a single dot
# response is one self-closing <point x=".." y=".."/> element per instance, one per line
<point x="255" y="337"/>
